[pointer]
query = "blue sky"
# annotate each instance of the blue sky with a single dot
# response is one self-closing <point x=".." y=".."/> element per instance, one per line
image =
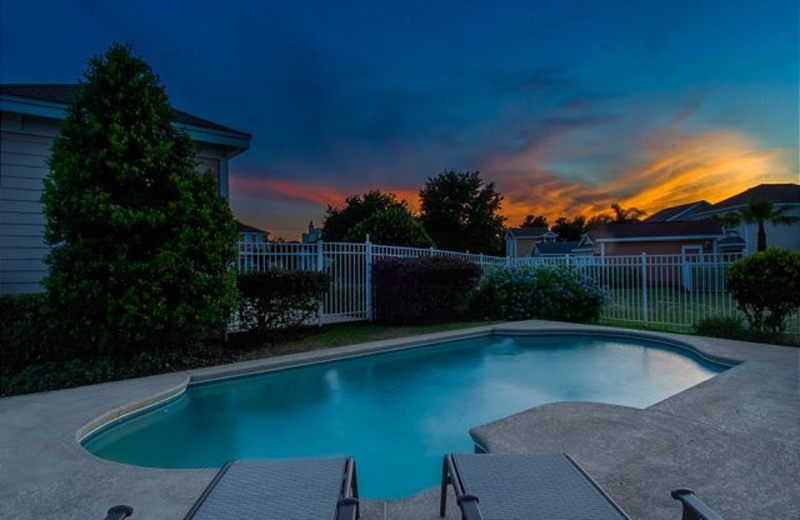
<point x="567" y="106"/>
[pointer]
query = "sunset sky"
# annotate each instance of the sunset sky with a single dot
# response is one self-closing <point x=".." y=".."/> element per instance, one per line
<point x="567" y="106"/>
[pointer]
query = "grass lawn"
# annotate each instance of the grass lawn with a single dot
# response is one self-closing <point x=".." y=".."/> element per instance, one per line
<point x="351" y="334"/>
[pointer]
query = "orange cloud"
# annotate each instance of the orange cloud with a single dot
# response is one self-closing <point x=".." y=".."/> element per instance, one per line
<point x="676" y="170"/>
<point x="312" y="193"/>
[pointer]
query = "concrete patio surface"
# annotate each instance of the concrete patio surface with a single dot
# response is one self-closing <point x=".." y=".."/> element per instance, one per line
<point x="734" y="439"/>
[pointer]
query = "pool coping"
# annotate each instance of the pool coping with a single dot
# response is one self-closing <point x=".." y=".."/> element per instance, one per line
<point x="34" y="441"/>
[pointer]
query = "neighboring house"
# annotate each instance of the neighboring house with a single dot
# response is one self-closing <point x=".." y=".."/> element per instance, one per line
<point x="313" y="235"/>
<point x="657" y="238"/>
<point x="251" y="235"/>
<point x="520" y="241"/>
<point x="783" y="195"/>
<point x="30" y="116"/>
<point x="554" y="249"/>
<point x="678" y="213"/>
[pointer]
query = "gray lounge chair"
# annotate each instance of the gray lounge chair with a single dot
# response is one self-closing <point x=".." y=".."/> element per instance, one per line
<point x="693" y="507"/>
<point x="522" y="487"/>
<point x="305" y="489"/>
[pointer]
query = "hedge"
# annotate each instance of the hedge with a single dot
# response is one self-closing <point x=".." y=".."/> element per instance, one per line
<point x="415" y="291"/>
<point x="279" y="300"/>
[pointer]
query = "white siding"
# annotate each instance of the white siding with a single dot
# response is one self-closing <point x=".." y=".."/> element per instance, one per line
<point x="24" y="148"/>
<point x="22" y="167"/>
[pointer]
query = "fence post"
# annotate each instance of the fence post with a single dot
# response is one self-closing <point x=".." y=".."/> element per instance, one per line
<point x="320" y="267"/>
<point x="368" y="281"/>
<point x="644" y="287"/>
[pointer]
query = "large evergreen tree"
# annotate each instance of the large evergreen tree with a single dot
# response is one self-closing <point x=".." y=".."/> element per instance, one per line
<point x="460" y="213"/>
<point x="142" y="245"/>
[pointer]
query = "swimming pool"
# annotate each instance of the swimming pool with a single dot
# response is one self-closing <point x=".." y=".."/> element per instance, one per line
<point x="398" y="413"/>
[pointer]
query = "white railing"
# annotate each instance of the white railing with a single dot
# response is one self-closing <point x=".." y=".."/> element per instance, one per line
<point x="668" y="291"/>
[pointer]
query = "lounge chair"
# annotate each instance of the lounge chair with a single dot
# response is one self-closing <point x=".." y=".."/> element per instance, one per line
<point x="522" y="487"/>
<point x="305" y="489"/>
<point x="693" y="507"/>
<point x="119" y="513"/>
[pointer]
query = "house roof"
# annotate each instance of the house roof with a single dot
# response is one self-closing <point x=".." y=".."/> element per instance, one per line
<point x="681" y="212"/>
<point x="644" y="230"/>
<point x="731" y="240"/>
<point x="528" y="232"/>
<point x="246" y="228"/>
<point x="64" y="94"/>
<point x="556" y="248"/>
<point x="779" y="193"/>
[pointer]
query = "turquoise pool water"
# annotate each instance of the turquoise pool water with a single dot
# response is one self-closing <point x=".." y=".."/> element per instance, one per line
<point x="397" y="413"/>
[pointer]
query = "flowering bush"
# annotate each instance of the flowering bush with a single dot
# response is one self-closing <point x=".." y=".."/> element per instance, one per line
<point x="546" y="292"/>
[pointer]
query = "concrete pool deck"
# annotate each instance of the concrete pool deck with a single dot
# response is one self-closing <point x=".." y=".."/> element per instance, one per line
<point x="734" y="439"/>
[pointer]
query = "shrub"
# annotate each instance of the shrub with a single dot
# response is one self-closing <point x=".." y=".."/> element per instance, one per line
<point x="279" y="300"/>
<point x="395" y="226"/>
<point x="731" y="327"/>
<point x="546" y="292"/>
<point x="765" y="287"/>
<point x="412" y="291"/>
<point x="54" y="375"/>
<point x="23" y="327"/>
<point x="141" y="243"/>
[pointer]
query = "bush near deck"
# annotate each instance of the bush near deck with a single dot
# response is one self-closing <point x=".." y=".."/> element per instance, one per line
<point x="765" y="286"/>
<point x="413" y="291"/>
<point x="546" y="292"/>
<point x="279" y="300"/>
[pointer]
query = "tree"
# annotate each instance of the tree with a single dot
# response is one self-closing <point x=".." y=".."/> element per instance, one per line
<point x="759" y="212"/>
<point x="395" y="226"/>
<point x="570" y="230"/>
<point x="626" y="215"/>
<point x="339" y="221"/>
<point x="142" y="245"/>
<point x="596" y="221"/>
<point x="459" y="212"/>
<point x="764" y="286"/>
<point x="535" y="221"/>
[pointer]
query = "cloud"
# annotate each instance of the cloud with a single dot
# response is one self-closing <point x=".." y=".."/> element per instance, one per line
<point x="673" y="169"/>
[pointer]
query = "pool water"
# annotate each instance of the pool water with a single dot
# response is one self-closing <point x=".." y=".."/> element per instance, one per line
<point x="398" y="413"/>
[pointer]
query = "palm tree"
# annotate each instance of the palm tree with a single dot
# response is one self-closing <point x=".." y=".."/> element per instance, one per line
<point x="759" y="212"/>
<point x="626" y="215"/>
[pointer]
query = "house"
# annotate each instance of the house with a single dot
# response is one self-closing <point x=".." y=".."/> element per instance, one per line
<point x="520" y="241"/>
<point x="678" y="213"/>
<point x="783" y="195"/>
<point x="313" y="235"/>
<point x="554" y="249"/>
<point x="251" y="234"/>
<point x="30" y="116"/>
<point x="658" y="238"/>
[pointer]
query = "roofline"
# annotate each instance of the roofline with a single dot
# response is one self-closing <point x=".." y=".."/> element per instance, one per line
<point x="659" y="239"/>
<point x="739" y="206"/>
<point x="237" y="142"/>
<point x="548" y="232"/>
<point x="685" y="210"/>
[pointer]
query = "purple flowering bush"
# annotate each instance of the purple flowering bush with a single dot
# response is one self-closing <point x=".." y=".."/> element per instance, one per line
<point x="547" y="292"/>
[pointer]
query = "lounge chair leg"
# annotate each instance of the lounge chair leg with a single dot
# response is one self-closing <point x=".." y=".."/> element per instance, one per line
<point x="445" y="481"/>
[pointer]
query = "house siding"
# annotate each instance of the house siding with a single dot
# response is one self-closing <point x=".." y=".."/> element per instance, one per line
<point x="25" y="143"/>
<point x="655" y="248"/>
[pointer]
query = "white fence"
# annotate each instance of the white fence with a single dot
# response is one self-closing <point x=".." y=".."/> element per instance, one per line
<point x="667" y="291"/>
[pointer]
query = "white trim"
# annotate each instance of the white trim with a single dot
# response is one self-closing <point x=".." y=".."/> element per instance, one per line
<point x="684" y="211"/>
<point x="48" y="109"/>
<point x="739" y="206"/>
